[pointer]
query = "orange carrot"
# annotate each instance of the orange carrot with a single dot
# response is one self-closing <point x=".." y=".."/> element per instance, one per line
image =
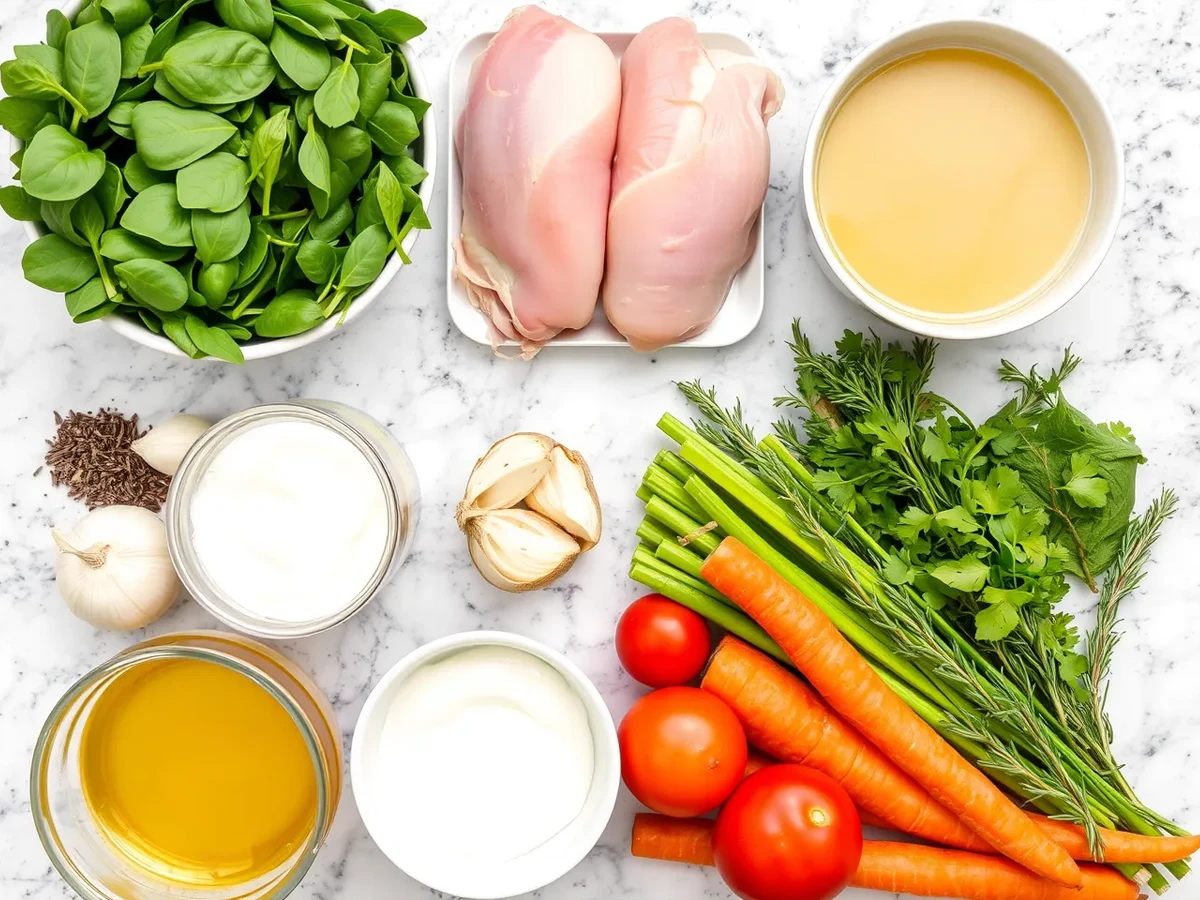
<point x="672" y="840"/>
<point x="935" y="872"/>
<point x="756" y="760"/>
<point x="1119" y="846"/>
<point x="899" y="868"/>
<point x="848" y="683"/>
<point x="783" y="716"/>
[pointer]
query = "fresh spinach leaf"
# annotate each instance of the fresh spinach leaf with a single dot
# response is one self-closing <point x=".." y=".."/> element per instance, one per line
<point x="28" y="78"/>
<point x="59" y="166"/>
<point x="314" y="163"/>
<point x="299" y="26"/>
<point x="390" y="198"/>
<point x="22" y="117"/>
<point x="121" y="245"/>
<point x="54" y="263"/>
<point x="212" y="341"/>
<point x="219" y="66"/>
<point x="305" y="60"/>
<point x="126" y="15"/>
<point x="219" y="183"/>
<point x="220" y="236"/>
<point x="252" y="16"/>
<point x="133" y="49"/>
<point x="153" y="283"/>
<point x="90" y="296"/>
<point x="92" y="66"/>
<point x="317" y="260"/>
<point x="170" y="138"/>
<point x="216" y="280"/>
<point x="289" y="313"/>
<point x="374" y="79"/>
<point x="365" y="258"/>
<point x="406" y="169"/>
<point x="58" y="26"/>
<point x="57" y="216"/>
<point x="332" y="226"/>
<point x="19" y="205"/>
<point x="336" y="102"/>
<point x="44" y="54"/>
<point x="155" y="213"/>
<point x="140" y="176"/>
<point x="393" y="128"/>
<point x="394" y="26"/>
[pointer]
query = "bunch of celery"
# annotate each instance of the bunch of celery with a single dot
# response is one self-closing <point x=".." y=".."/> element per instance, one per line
<point x="765" y="498"/>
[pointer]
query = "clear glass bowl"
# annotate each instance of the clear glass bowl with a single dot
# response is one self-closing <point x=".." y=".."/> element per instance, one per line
<point x="380" y="448"/>
<point x="88" y="861"/>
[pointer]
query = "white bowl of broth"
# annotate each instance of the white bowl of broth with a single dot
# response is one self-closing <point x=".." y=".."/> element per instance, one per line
<point x="962" y="179"/>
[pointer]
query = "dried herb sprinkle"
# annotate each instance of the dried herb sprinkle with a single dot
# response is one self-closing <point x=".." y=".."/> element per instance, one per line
<point x="91" y="455"/>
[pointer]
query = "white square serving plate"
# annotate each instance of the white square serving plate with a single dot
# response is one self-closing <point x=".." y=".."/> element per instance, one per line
<point x="743" y="307"/>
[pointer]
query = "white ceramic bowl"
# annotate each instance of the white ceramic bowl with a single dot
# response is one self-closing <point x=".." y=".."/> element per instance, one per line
<point x="426" y="155"/>
<point x="535" y="869"/>
<point x="1095" y="124"/>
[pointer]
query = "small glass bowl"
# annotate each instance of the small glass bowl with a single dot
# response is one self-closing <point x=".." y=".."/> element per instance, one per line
<point x="88" y="861"/>
<point x="380" y="448"/>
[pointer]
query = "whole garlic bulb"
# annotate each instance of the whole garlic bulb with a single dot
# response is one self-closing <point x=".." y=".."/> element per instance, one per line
<point x="164" y="446"/>
<point x="113" y="569"/>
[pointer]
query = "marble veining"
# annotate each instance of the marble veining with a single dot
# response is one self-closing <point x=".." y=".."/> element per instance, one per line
<point x="1136" y="326"/>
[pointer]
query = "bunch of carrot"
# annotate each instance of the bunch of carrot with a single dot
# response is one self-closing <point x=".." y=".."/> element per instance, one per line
<point x="719" y="541"/>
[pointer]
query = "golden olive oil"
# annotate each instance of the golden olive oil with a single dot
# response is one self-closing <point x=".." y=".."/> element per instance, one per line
<point x="953" y="181"/>
<point x="196" y="773"/>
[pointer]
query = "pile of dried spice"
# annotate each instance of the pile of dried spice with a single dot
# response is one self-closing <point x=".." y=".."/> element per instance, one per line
<point x="91" y="456"/>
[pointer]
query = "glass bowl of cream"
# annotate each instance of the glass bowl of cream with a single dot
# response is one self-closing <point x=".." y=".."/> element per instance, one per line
<point x="285" y="519"/>
<point x="485" y="765"/>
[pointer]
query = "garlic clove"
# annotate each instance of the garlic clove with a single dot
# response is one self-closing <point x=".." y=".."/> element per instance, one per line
<point x="164" y="446"/>
<point x="518" y="550"/>
<point x="567" y="496"/>
<point x="113" y="569"/>
<point x="506" y="473"/>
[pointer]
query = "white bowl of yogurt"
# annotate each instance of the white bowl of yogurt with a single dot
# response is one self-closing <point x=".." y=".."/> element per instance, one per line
<point x="485" y="765"/>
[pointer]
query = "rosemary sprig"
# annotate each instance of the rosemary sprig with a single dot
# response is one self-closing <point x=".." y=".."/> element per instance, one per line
<point x="1124" y="578"/>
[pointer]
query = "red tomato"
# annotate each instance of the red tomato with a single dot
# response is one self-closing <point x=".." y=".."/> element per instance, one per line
<point x="661" y="643"/>
<point x="683" y="751"/>
<point x="788" y="833"/>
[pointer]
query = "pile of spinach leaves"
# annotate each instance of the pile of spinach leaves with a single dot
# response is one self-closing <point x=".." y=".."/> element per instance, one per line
<point x="984" y="521"/>
<point x="222" y="171"/>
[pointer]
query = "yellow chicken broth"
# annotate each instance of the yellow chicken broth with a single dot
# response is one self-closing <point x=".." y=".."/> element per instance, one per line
<point x="953" y="181"/>
<point x="197" y="773"/>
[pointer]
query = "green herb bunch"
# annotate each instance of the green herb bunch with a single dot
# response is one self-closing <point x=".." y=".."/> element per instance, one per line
<point x="828" y="514"/>
<point x="983" y="521"/>
<point x="221" y="171"/>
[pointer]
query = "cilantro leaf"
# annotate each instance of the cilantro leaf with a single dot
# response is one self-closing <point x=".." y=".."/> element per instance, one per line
<point x="897" y="570"/>
<point x="998" y="494"/>
<point x="996" y="622"/>
<point x="957" y="518"/>
<point x="913" y="523"/>
<point x="840" y="491"/>
<point x="967" y="574"/>
<point x="1083" y="482"/>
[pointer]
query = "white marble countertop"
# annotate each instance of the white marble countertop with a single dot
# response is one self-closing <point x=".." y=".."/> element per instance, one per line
<point x="1136" y="325"/>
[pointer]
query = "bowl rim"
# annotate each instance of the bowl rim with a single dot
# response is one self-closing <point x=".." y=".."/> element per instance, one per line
<point x="138" y="333"/>
<point x="605" y="743"/>
<point x="1059" y="293"/>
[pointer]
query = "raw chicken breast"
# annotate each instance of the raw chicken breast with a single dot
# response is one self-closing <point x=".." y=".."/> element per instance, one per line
<point x="690" y="176"/>
<point x="535" y="143"/>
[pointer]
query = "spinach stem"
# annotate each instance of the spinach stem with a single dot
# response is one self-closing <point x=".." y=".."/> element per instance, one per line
<point x="279" y="217"/>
